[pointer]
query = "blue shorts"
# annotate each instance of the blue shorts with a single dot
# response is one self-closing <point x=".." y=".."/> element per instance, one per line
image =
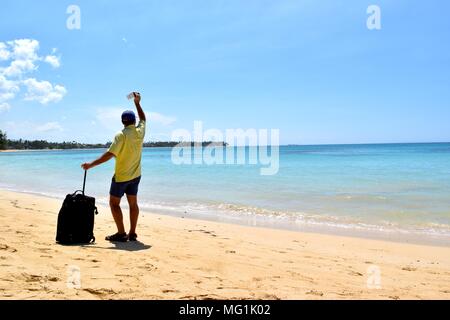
<point x="129" y="187"/>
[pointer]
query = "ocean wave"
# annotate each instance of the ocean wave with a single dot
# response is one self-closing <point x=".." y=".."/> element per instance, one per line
<point x="295" y="219"/>
<point x="258" y="216"/>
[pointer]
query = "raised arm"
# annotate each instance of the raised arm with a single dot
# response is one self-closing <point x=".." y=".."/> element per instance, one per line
<point x="104" y="157"/>
<point x="137" y="103"/>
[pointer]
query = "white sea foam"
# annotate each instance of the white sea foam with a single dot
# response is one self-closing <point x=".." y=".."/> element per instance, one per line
<point x="301" y="221"/>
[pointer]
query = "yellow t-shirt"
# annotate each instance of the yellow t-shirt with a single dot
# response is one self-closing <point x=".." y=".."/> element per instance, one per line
<point x="127" y="147"/>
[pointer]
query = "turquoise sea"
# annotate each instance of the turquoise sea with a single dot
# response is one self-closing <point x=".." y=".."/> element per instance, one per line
<point x="394" y="191"/>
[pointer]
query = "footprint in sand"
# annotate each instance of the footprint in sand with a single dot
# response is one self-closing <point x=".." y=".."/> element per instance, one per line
<point x="148" y="266"/>
<point x="53" y="279"/>
<point x="31" y="277"/>
<point x="211" y="233"/>
<point x="355" y="273"/>
<point x="409" y="268"/>
<point x="315" y="293"/>
<point x="7" y="248"/>
<point x="28" y="277"/>
<point x="169" y="290"/>
<point x="203" y="297"/>
<point x="100" y="291"/>
<point x="271" y="297"/>
<point x="123" y="275"/>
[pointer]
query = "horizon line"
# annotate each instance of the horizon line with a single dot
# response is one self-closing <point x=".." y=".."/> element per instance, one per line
<point x="280" y="145"/>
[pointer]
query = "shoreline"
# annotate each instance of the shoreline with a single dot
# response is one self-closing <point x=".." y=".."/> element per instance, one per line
<point x="353" y="230"/>
<point x="182" y="258"/>
<point x="39" y="150"/>
<point x="397" y="235"/>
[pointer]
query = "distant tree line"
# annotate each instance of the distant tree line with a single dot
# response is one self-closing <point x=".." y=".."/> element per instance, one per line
<point x="43" y="144"/>
<point x="171" y="144"/>
<point x="3" y="140"/>
<point x="21" y="144"/>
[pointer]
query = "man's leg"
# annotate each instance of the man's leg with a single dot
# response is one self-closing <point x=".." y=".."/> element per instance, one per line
<point x="134" y="213"/>
<point x="114" y="203"/>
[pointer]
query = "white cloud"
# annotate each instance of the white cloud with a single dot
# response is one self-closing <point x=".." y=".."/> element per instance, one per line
<point x="4" y="52"/>
<point x="53" y="61"/>
<point x="24" y="49"/>
<point x="49" y="126"/>
<point x="161" y="119"/>
<point x="23" y="58"/>
<point x="19" y="67"/>
<point x="8" y="90"/>
<point x="160" y="136"/>
<point x="51" y="131"/>
<point x="24" y="55"/>
<point x="109" y="117"/>
<point x="4" y="106"/>
<point x="43" y="91"/>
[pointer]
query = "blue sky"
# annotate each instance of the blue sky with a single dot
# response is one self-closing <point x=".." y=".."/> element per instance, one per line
<point x="309" y="68"/>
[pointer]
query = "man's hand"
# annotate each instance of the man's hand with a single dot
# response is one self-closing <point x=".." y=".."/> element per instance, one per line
<point x="86" y="166"/>
<point x="137" y="97"/>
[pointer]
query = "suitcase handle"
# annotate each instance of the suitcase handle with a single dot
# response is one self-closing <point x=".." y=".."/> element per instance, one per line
<point x="77" y="192"/>
<point x="84" y="180"/>
<point x="84" y="185"/>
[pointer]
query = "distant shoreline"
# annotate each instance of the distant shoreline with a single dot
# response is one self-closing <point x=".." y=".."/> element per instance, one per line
<point x="284" y="145"/>
<point x="34" y="150"/>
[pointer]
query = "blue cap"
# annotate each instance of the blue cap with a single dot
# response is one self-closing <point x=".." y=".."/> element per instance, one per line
<point x="128" y="116"/>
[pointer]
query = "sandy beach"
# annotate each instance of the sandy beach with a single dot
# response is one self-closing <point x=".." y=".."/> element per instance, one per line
<point x="180" y="258"/>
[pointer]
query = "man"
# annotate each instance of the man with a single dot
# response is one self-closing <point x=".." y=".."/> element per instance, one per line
<point x="127" y="148"/>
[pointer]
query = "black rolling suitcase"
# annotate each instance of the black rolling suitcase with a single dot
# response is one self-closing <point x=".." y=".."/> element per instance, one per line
<point x="76" y="218"/>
